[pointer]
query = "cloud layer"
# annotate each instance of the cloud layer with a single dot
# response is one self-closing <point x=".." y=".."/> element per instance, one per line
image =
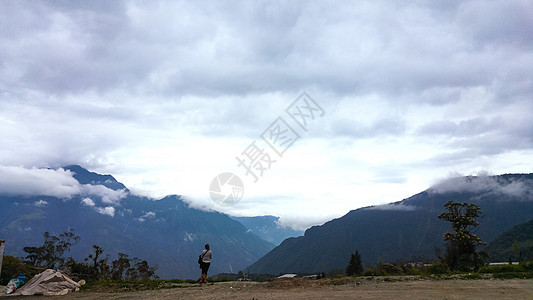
<point x="165" y="94"/>
<point x="484" y="184"/>
<point x="54" y="183"/>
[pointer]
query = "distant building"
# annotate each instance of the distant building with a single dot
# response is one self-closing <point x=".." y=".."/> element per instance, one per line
<point x="287" y="276"/>
<point x="503" y="263"/>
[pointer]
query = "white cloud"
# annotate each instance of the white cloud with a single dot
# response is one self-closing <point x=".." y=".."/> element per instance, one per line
<point x="393" y="206"/>
<point x="37" y="182"/>
<point x="107" y="195"/>
<point x="40" y="203"/>
<point x="87" y="202"/>
<point x="483" y="183"/>
<point x="189" y="237"/>
<point x="109" y="210"/>
<point x="55" y="183"/>
<point x="148" y="215"/>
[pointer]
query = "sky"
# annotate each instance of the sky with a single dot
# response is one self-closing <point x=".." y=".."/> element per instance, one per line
<point x="166" y="95"/>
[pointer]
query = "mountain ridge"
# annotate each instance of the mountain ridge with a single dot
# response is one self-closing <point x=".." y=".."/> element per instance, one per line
<point x="403" y="230"/>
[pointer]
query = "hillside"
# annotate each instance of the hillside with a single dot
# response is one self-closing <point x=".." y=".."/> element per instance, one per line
<point x="501" y="248"/>
<point x="407" y="230"/>
<point x="166" y="232"/>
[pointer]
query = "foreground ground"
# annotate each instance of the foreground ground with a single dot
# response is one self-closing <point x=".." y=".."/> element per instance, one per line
<point x="298" y="288"/>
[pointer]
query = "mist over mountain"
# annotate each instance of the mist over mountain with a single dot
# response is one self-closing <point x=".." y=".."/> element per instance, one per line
<point x="405" y="230"/>
<point x="268" y="228"/>
<point x="166" y="232"/>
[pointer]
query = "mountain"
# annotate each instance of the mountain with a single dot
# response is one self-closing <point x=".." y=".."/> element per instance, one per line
<point x="83" y="176"/>
<point x="501" y="248"/>
<point x="268" y="228"/>
<point x="408" y="229"/>
<point x="167" y="232"/>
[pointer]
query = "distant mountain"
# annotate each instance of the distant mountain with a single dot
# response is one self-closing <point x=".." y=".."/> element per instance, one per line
<point x="407" y="229"/>
<point x="84" y="176"/>
<point x="165" y="232"/>
<point x="501" y="248"/>
<point x="268" y="228"/>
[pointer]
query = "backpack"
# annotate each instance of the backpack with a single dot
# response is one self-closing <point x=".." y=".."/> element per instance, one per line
<point x="201" y="257"/>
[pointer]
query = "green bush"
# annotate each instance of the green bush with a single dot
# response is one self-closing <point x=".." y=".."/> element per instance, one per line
<point x="13" y="266"/>
<point x="413" y="271"/>
<point x="374" y="272"/>
<point x="391" y="269"/>
<point x="527" y="266"/>
<point x="501" y="269"/>
<point x="523" y="267"/>
<point x="438" y="268"/>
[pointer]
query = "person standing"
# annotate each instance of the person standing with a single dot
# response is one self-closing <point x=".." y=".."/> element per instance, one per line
<point x="206" y="262"/>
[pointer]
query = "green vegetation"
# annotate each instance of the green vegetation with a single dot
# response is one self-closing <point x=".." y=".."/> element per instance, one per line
<point x="13" y="266"/>
<point x="522" y="270"/>
<point x="523" y="267"/>
<point x="94" y="268"/>
<point x="462" y="260"/>
<point x="438" y="268"/>
<point x="515" y="244"/>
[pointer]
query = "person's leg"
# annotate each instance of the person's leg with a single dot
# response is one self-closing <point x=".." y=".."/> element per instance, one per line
<point x="207" y="265"/>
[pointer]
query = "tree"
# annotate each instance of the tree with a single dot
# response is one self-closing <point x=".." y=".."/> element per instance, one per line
<point x="517" y="251"/>
<point x="97" y="268"/>
<point x="50" y="254"/>
<point x="355" y="266"/>
<point x="144" y="271"/>
<point x="461" y="252"/>
<point x="120" y="266"/>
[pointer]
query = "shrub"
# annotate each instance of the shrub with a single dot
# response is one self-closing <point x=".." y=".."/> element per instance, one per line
<point x="500" y="269"/>
<point x="413" y="271"/>
<point x="374" y="272"/>
<point x="438" y="268"/>
<point x="523" y="267"/>
<point x="13" y="266"/>
<point x="391" y="269"/>
<point x="527" y="266"/>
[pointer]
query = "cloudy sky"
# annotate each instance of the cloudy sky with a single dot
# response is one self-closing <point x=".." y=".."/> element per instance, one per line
<point x="167" y="95"/>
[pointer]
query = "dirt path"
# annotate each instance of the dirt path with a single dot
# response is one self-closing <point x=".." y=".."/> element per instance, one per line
<point x="359" y="288"/>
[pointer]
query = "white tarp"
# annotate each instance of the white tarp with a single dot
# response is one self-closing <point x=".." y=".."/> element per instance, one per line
<point x="49" y="282"/>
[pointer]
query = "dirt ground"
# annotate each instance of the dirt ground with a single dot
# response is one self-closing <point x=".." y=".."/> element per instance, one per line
<point x="299" y="288"/>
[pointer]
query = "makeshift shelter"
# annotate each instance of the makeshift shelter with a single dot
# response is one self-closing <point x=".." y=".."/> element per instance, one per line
<point x="49" y="283"/>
